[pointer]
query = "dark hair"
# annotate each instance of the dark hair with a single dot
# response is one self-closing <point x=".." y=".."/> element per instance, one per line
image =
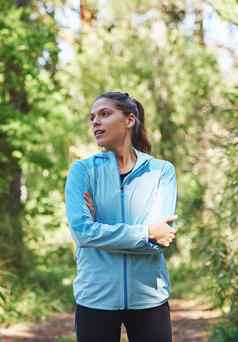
<point x="128" y="105"/>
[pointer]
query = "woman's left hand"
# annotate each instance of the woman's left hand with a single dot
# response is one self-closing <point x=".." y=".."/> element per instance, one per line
<point x="90" y="204"/>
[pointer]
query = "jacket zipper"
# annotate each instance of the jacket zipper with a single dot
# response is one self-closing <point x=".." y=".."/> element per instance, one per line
<point x="124" y="255"/>
<point x="123" y="218"/>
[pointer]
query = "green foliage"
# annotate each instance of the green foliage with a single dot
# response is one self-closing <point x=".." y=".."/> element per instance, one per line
<point x="43" y="289"/>
<point x="218" y="246"/>
<point x="34" y="153"/>
<point x="191" y="117"/>
<point x="225" y="331"/>
<point x="182" y="282"/>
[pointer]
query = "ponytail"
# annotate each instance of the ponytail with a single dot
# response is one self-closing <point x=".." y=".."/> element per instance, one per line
<point x="139" y="136"/>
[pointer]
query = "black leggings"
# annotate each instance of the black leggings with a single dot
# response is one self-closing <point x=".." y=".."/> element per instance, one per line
<point x="150" y="325"/>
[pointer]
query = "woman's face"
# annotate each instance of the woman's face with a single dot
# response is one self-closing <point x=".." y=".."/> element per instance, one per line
<point x="115" y="126"/>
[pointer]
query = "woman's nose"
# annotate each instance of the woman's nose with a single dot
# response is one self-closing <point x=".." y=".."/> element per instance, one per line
<point x="95" y="120"/>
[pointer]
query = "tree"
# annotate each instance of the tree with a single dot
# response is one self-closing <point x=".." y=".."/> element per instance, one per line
<point x="28" y="56"/>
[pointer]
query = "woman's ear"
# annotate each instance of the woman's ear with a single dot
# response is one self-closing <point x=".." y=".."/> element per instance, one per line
<point x="130" y="120"/>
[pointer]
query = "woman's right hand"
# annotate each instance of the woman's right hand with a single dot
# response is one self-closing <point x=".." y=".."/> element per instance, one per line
<point x="163" y="233"/>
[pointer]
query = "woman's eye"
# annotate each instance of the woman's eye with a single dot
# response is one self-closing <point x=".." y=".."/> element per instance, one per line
<point x="102" y="114"/>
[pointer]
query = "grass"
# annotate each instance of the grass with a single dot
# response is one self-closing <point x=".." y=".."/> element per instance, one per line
<point x="44" y="288"/>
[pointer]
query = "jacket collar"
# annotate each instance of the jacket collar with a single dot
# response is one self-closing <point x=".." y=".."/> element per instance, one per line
<point x="142" y="157"/>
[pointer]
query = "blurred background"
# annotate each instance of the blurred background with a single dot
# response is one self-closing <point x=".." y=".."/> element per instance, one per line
<point x="180" y="60"/>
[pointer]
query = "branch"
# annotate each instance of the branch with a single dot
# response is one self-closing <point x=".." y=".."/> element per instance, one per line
<point x="223" y="15"/>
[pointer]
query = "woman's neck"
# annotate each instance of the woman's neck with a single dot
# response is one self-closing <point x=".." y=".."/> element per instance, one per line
<point x="126" y="158"/>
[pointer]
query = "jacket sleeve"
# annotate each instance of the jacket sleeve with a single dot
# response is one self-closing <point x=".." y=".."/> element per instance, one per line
<point x="88" y="233"/>
<point x="165" y="204"/>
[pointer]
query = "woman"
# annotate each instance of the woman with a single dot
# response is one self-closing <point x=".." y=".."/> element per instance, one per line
<point x="119" y="203"/>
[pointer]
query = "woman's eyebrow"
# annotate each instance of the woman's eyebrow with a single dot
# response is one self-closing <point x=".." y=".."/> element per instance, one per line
<point x="100" y="110"/>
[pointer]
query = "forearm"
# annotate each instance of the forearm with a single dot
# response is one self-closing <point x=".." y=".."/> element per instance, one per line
<point x="106" y="236"/>
<point x="151" y="247"/>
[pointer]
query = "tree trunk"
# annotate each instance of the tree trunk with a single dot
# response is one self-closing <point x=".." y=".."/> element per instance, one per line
<point x="199" y="27"/>
<point x="11" y="208"/>
<point x="11" y="244"/>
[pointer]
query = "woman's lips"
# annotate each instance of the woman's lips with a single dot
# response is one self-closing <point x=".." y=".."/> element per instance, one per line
<point x="99" y="134"/>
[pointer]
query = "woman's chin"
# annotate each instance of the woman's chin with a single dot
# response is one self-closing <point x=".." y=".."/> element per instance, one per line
<point x="99" y="143"/>
<point x="103" y="145"/>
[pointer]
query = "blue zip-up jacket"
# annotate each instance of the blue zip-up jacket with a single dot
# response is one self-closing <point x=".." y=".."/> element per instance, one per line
<point x="118" y="267"/>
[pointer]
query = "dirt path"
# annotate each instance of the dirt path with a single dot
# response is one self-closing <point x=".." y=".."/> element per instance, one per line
<point x="190" y="322"/>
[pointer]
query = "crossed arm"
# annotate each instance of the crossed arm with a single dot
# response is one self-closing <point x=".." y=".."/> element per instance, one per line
<point x="120" y="237"/>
